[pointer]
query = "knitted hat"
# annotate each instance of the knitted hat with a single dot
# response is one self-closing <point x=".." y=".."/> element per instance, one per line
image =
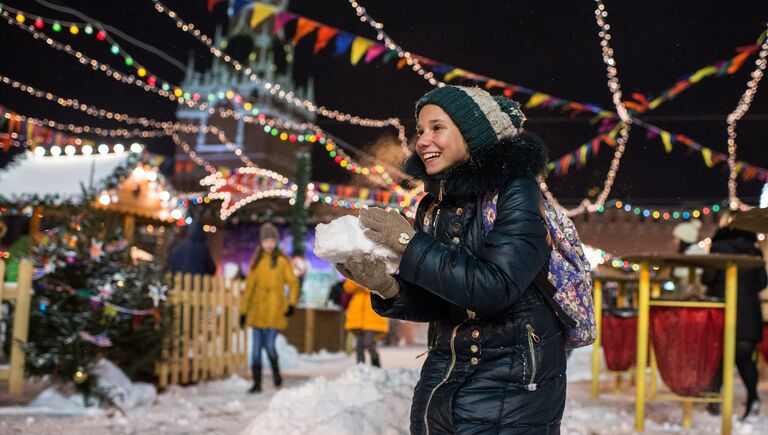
<point x="268" y="231"/>
<point x="688" y="232"/>
<point x="482" y="118"/>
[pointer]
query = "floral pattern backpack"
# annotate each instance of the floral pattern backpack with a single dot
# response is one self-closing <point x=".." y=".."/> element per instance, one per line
<point x="567" y="284"/>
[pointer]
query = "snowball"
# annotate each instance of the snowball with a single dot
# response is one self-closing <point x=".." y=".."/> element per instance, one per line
<point x="337" y="241"/>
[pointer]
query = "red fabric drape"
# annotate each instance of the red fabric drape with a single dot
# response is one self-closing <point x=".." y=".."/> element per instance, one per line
<point x="689" y="345"/>
<point x="763" y="346"/>
<point x="618" y="335"/>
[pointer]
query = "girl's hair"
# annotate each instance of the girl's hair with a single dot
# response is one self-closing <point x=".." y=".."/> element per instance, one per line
<point x="259" y="253"/>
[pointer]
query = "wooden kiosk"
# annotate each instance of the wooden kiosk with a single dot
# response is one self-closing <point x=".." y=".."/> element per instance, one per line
<point x="730" y="263"/>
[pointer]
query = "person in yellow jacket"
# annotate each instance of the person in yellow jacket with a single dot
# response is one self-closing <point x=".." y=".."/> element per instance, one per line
<point x="264" y="305"/>
<point x="364" y="322"/>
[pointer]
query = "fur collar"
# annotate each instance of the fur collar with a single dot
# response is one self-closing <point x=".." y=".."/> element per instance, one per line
<point x="490" y="169"/>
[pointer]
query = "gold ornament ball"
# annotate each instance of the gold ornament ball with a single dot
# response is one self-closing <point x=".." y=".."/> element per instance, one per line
<point x="80" y="376"/>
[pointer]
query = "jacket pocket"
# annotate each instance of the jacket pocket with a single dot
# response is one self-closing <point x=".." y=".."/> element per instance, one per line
<point x="533" y="341"/>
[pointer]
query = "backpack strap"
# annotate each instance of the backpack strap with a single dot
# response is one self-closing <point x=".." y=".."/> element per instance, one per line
<point x="547" y="290"/>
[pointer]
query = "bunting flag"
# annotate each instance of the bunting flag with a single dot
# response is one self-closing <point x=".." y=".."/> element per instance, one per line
<point x="281" y="19"/>
<point x="374" y="51"/>
<point x="359" y="47"/>
<point x="324" y="35"/>
<point x="303" y="28"/>
<point x="260" y="13"/>
<point x="707" y="154"/>
<point x="343" y="41"/>
<point x="213" y="3"/>
<point x="237" y="6"/>
<point x="666" y="140"/>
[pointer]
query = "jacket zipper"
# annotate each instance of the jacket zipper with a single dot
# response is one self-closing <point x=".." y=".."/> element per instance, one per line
<point x="445" y="377"/>
<point x="532" y="337"/>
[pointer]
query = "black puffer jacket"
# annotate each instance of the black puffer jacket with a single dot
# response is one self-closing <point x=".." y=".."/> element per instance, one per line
<point x="749" y="318"/>
<point x="497" y="358"/>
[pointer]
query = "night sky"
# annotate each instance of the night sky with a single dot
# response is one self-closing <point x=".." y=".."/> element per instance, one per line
<point x="549" y="46"/>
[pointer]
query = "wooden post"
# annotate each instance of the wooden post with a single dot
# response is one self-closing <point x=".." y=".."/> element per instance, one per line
<point x="729" y="350"/>
<point x="196" y="332"/>
<point x="597" y="295"/>
<point x="129" y="227"/>
<point x="185" y="325"/>
<point x="309" y="330"/>
<point x="687" y="414"/>
<point x="205" y="298"/>
<point x="20" y="327"/>
<point x="642" y="344"/>
<point x="242" y="333"/>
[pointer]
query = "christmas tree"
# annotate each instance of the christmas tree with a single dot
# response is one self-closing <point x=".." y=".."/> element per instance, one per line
<point x="93" y="301"/>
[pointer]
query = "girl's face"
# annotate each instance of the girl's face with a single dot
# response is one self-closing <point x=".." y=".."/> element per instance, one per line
<point x="440" y="144"/>
<point x="268" y="245"/>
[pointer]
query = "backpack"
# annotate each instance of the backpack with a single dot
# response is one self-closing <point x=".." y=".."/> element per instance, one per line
<point x="565" y="282"/>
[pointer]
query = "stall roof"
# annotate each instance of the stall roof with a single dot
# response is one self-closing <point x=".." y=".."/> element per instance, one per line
<point x="62" y="177"/>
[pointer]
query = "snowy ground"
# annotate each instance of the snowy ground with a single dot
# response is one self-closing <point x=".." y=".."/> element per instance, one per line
<point x="327" y="394"/>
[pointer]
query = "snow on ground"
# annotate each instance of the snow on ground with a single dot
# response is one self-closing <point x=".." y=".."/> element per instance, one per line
<point x="327" y="393"/>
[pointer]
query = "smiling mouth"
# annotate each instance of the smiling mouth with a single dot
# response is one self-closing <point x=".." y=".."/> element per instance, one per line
<point x="427" y="157"/>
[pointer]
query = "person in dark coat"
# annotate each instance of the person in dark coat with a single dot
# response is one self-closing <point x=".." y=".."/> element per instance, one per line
<point x="749" y="317"/>
<point x="496" y="361"/>
<point x="192" y="254"/>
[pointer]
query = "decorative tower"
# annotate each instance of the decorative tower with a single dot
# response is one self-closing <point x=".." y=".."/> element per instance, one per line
<point x="263" y="51"/>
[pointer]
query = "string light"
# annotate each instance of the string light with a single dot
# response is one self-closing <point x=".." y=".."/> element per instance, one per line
<point x="666" y="215"/>
<point x="85" y="129"/>
<point x="733" y="118"/>
<point x="626" y="120"/>
<point x="392" y="45"/>
<point x="274" y="88"/>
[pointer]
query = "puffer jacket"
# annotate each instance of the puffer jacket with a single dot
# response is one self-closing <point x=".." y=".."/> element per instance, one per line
<point x="749" y="317"/>
<point x="360" y="314"/>
<point x="497" y="360"/>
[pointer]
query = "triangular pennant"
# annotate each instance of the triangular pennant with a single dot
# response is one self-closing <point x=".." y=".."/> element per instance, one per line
<point x="456" y="72"/>
<point x="373" y="52"/>
<point x="343" y="41"/>
<point x="260" y="13"/>
<point x="281" y="19"/>
<point x="324" y="35"/>
<point x="303" y="28"/>
<point x="388" y="56"/>
<point x="359" y="46"/>
<point x="536" y="99"/>
<point x="213" y="3"/>
<point x="666" y="139"/>
<point x="238" y="5"/>
<point x="707" y="154"/>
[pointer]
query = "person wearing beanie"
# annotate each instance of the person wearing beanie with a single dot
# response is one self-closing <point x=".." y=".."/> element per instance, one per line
<point x="687" y="235"/>
<point x="264" y="305"/>
<point x="497" y="358"/>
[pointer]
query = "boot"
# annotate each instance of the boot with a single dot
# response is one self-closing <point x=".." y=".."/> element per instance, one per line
<point x="278" y="380"/>
<point x="713" y="408"/>
<point x="752" y="409"/>
<point x="375" y="360"/>
<point x="256" y="373"/>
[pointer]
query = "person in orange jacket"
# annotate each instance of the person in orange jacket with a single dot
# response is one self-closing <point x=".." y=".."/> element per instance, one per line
<point x="364" y="322"/>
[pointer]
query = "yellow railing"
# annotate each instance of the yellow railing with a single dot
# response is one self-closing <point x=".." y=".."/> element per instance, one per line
<point x="206" y="341"/>
<point x="21" y="292"/>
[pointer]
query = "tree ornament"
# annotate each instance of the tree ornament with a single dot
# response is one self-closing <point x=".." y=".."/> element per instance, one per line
<point x="80" y="376"/>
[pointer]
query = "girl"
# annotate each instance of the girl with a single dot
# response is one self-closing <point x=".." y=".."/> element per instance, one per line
<point x="497" y="359"/>
<point x="264" y="305"/>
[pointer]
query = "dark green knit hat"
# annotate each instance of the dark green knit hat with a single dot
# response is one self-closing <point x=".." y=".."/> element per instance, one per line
<point x="482" y="118"/>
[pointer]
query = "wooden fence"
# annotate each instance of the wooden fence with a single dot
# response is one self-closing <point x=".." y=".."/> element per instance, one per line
<point x="206" y="340"/>
<point x="21" y="292"/>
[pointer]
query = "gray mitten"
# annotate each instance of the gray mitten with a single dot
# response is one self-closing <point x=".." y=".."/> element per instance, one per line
<point x="371" y="273"/>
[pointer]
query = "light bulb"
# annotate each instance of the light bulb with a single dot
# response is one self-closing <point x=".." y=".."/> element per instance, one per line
<point x="118" y="148"/>
<point x="39" y="151"/>
<point x="69" y="150"/>
<point x="87" y="150"/>
<point x="136" y="147"/>
<point x="55" y="150"/>
<point x="103" y="148"/>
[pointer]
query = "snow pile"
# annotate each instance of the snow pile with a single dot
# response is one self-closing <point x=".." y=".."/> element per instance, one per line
<point x="343" y="237"/>
<point x="363" y="400"/>
<point x="62" y="400"/>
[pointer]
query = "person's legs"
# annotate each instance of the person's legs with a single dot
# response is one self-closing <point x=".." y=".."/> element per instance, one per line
<point x="359" y="346"/>
<point x="269" y="344"/>
<point x="369" y="342"/>
<point x="748" y="371"/>
<point x="256" y="344"/>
